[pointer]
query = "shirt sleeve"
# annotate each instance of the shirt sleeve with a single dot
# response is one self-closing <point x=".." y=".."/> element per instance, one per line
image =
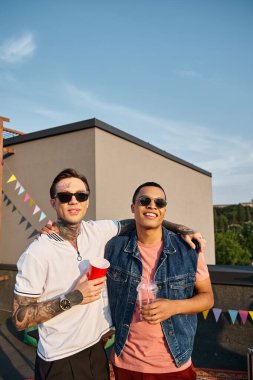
<point x="202" y="270"/>
<point x="108" y="228"/>
<point x="31" y="276"/>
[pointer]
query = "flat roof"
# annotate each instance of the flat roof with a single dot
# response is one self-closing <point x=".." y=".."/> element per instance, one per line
<point x="95" y="123"/>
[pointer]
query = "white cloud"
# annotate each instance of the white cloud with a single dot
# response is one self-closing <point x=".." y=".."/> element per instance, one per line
<point x="58" y="117"/>
<point x="17" y="49"/>
<point x="229" y="158"/>
<point x="190" y="74"/>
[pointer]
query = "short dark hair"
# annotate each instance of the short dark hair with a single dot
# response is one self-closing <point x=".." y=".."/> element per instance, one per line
<point x="67" y="173"/>
<point x="153" y="184"/>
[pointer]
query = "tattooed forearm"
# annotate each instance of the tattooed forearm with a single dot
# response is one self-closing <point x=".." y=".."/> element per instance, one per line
<point x="27" y="312"/>
<point x="177" y="228"/>
<point x="75" y="297"/>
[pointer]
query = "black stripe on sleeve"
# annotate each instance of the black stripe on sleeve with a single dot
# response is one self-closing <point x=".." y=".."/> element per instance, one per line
<point x="30" y="294"/>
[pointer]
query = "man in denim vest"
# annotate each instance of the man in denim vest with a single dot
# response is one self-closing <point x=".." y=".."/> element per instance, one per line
<point x="154" y="337"/>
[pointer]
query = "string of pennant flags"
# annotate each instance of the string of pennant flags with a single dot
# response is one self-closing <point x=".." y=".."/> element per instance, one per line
<point x="21" y="190"/>
<point x="243" y="314"/>
<point x="23" y="220"/>
<point x="27" y="198"/>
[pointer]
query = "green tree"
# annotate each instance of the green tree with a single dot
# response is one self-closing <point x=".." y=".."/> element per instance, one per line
<point x="234" y="234"/>
<point x="241" y="217"/>
<point x="222" y="223"/>
<point x="215" y="218"/>
<point x="247" y="236"/>
<point x="247" y="229"/>
<point x="247" y="213"/>
<point x="231" y="214"/>
<point x="229" y="250"/>
<point x="236" y="229"/>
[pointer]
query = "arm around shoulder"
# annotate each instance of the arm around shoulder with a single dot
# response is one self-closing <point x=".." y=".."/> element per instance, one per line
<point x="187" y="234"/>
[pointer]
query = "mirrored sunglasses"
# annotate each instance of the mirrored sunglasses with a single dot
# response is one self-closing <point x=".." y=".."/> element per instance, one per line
<point x="66" y="197"/>
<point x="159" y="202"/>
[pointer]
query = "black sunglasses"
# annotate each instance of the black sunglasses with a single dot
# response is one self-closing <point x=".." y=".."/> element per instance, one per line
<point x="159" y="202"/>
<point x="66" y="197"/>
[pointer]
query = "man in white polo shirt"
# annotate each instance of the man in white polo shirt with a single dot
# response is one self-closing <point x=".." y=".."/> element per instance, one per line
<point x="53" y="292"/>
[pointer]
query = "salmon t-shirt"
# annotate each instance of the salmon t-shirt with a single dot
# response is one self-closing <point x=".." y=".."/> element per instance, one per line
<point x="146" y="350"/>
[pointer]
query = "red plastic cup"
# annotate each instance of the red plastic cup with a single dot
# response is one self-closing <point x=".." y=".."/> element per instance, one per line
<point x="98" y="268"/>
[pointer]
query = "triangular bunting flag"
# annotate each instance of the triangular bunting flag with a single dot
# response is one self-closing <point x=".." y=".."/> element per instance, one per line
<point x="14" y="208"/>
<point x="216" y="313"/>
<point x="34" y="233"/>
<point x="50" y="222"/>
<point x="205" y="313"/>
<point x="36" y="209"/>
<point x="42" y="216"/>
<point x="12" y="178"/>
<point x="17" y="185"/>
<point x="8" y="202"/>
<point x="31" y="202"/>
<point x="28" y="225"/>
<point x="243" y="314"/>
<point x="22" y="220"/>
<point x="251" y="313"/>
<point x="21" y="190"/>
<point x="5" y="198"/>
<point x="27" y="196"/>
<point x="233" y="315"/>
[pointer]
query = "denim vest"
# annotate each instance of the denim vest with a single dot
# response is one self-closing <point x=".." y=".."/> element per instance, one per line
<point x="175" y="276"/>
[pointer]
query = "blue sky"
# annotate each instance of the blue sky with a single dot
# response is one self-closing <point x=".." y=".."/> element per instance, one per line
<point x="175" y="73"/>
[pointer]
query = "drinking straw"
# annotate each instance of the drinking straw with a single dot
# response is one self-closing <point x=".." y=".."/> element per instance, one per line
<point x="148" y="274"/>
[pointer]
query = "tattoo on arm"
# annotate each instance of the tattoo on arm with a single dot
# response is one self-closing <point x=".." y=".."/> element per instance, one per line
<point x="126" y="226"/>
<point x="27" y="312"/>
<point x="177" y="228"/>
<point x="75" y="297"/>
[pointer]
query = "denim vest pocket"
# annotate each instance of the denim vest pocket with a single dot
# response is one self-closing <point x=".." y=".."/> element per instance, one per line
<point x="117" y="275"/>
<point x="181" y="287"/>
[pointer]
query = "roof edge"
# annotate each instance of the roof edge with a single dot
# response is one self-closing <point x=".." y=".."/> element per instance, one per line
<point x="126" y="136"/>
<point x="91" y="123"/>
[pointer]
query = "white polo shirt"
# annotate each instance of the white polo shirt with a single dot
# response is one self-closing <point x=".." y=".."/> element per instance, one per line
<point x="49" y="268"/>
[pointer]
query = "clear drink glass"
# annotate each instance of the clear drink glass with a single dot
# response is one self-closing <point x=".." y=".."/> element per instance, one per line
<point x="146" y="293"/>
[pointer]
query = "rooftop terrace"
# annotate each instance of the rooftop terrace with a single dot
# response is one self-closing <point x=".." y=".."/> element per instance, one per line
<point x="223" y="337"/>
